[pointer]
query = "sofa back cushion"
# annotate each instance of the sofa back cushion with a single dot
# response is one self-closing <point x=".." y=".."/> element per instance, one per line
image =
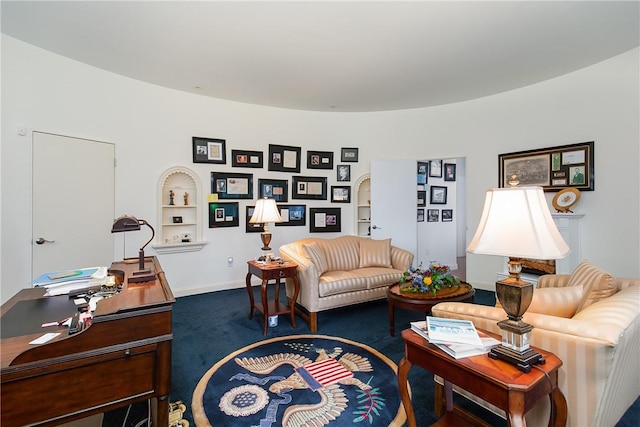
<point x="316" y="256"/>
<point x="559" y="302"/>
<point x="375" y="253"/>
<point x="597" y="284"/>
<point x="341" y="253"/>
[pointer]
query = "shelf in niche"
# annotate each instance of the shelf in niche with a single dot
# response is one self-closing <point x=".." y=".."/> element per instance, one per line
<point x="172" y="248"/>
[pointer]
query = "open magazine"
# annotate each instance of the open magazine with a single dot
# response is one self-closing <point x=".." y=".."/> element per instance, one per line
<point x="456" y="349"/>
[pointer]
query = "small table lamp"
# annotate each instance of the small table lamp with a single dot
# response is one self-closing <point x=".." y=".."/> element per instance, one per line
<point x="266" y="211"/>
<point x="131" y="223"/>
<point x="516" y="222"/>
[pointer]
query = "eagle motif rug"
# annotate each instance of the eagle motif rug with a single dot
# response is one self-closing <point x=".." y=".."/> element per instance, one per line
<point x="300" y="380"/>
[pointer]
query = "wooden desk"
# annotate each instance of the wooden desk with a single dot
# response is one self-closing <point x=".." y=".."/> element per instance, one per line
<point x="272" y="271"/>
<point x="495" y="381"/>
<point x="122" y="357"/>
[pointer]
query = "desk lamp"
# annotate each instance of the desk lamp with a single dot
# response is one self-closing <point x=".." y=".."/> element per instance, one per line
<point x="516" y="223"/>
<point x="130" y="223"/>
<point x="265" y="211"/>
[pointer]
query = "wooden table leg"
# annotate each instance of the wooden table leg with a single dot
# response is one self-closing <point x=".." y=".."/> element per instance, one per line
<point x="403" y="386"/>
<point x="292" y="304"/>
<point x="247" y="281"/>
<point x="558" y="417"/>
<point x="392" y="321"/>
<point x="515" y="412"/>
<point x="265" y="305"/>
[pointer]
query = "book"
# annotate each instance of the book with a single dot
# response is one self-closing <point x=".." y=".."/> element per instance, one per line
<point x="457" y="350"/>
<point x="452" y="331"/>
<point x="66" y="276"/>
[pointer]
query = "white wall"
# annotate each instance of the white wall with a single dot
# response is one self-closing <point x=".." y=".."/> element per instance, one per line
<point x="50" y="93"/>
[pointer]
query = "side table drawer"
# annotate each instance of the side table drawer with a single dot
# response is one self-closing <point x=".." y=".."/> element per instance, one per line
<point x="280" y="273"/>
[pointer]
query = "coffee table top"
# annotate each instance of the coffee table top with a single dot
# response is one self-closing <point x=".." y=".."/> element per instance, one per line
<point x="462" y="291"/>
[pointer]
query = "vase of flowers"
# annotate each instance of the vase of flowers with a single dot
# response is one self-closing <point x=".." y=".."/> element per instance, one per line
<point x="427" y="280"/>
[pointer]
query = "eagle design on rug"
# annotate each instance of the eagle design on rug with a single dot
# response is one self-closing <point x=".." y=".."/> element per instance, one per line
<point x="325" y="376"/>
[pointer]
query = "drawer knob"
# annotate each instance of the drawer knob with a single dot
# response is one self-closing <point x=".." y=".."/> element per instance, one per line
<point x="127" y="352"/>
<point x="282" y="274"/>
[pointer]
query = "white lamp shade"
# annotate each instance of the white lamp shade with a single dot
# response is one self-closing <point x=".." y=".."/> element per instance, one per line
<point x="516" y="222"/>
<point x="265" y="211"/>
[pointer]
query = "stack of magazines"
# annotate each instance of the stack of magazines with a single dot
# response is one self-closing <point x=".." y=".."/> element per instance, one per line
<point x="458" y="338"/>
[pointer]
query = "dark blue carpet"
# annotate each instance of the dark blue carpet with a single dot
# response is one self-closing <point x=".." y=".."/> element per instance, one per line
<point x="207" y="327"/>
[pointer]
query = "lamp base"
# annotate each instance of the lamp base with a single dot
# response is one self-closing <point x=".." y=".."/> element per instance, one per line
<point x="140" y="276"/>
<point x="524" y="360"/>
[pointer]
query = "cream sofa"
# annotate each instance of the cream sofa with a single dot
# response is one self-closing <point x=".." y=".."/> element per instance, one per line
<point x="591" y="320"/>
<point x="342" y="271"/>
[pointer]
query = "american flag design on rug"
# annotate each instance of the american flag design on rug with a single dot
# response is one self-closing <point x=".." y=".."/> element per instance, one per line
<point x="323" y="373"/>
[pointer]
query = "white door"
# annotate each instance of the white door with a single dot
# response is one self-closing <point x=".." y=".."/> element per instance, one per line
<point x="393" y="202"/>
<point x="73" y="203"/>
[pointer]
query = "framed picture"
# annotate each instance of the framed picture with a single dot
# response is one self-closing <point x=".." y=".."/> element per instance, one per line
<point x="209" y="150"/>
<point x="344" y="173"/>
<point x="252" y="228"/>
<point x="276" y="189"/>
<point x="319" y="159"/>
<point x="433" y="215"/>
<point x="438" y="195"/>
<point x="223" y="215"/>
<point x="177" y="220"/>
<point x="553" y="168"/>
<point x="246" y="159"/>
<point x="309" y="187"/>
<point x="422" y="198"/>
<point x="292" y="215"/>
<point x="423" y="168"/>
<point x="340" y="194"/>
<point x="232" y="185"/>
<point x="435" y="168"/>
<point x="284" y="158"/>
<point x="349" y="155"/>
<point x="447" y="215"/>
<point x="324" y="220"/>
<point x="420" y="215"/>
<point x="449" y="171"/>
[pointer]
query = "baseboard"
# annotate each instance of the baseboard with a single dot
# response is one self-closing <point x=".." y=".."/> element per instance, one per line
<point x="203" y="289"/>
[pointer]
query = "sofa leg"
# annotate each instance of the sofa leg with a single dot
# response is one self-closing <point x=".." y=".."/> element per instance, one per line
<point x="313" y="322"/>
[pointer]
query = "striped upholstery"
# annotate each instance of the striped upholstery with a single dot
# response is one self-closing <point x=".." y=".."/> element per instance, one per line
<point x="561" y="302"/>
<point x="598" y="345"/>
<point x="597" y="283"/>
<point x="341" y="281"/>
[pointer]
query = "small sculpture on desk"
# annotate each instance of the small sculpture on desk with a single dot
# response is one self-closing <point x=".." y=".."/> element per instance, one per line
<point x="171" y="194"/>
<point x="186" y="198"/>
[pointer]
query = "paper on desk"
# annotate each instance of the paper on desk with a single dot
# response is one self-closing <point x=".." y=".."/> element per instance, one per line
<point x="45" y="338"/>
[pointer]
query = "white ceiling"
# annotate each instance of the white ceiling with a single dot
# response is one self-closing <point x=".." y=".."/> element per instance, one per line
<point x="332" y="55"/>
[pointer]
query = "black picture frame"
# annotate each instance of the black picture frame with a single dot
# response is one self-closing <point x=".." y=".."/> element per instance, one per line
<point x="447" y="215"/>
<point x="340" y="194"/>
<point x="438" y="195"/>
<point x="223" y="214"/>
<point x="319" y="159"/>
<point x="343" y="173"/>
<point x="232" y="185"/>
<point x="284" y="158"/>
<point x="552" y="168"/>
<point x="292" y="215"/>
<point x="423" y="171"/>
<point x="247" y="159"/>
<point x="209" y="150"/>
<point x="449" y="171"/>
<point x="176" y="220"/>
<point x="276" y="189"/>
<point x="433" y="215"/>
<point x="435" y="168"/>
<point x="420" y="217"/>
<point x="422" y="198"/>
<point x="252" y="228"/>
<point x="325" y="220"/>
<point x="349" y="154"/>
<point x="309" y="187"/>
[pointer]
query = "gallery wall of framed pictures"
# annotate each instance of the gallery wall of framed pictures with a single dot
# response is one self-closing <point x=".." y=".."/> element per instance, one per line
<point x="434" y="178"/>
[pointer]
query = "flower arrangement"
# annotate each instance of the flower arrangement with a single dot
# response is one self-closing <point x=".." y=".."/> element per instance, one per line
<point x="421" y="281"/>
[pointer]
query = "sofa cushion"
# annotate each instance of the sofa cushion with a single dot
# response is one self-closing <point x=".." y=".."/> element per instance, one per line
<point x="378" y="277"/>
<point x="316" y="255"/>
<point x="341" y="253"/>
<point x="375" y="253"/>
<point x="340" y="282"/>
<point x="560" y="302"/>
<point x="597" y="284"/>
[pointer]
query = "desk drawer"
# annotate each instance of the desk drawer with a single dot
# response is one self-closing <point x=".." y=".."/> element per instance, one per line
<point x="79" y="385"/>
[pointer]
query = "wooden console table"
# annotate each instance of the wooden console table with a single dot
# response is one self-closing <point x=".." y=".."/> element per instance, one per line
<point x="272" y="271"/>
<point x="495" y="381"/>
<point x="122" y="357"/>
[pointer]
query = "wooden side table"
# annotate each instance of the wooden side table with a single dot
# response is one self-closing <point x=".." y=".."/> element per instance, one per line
<point x="495" y="381"/>
<point x="275" y="272"/>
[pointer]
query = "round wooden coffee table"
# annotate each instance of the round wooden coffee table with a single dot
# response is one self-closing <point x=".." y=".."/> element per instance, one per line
<point x="424" y="302"/>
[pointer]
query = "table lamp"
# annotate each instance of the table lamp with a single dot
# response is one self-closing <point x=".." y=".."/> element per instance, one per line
<point x="131" y="223"/>
<point x="266" y="211"/>
<point x="516" y="223"/>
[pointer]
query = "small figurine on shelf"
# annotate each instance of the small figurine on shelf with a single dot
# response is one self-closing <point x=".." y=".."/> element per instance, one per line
<point x="171" y="194"/>
<point x="186" y="198"/>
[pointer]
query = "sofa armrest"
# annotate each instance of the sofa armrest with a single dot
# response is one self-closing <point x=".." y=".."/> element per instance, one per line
<point x="308" y="276"/>
<point x="553" y="280"/>
<point x="401" y="259"/>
